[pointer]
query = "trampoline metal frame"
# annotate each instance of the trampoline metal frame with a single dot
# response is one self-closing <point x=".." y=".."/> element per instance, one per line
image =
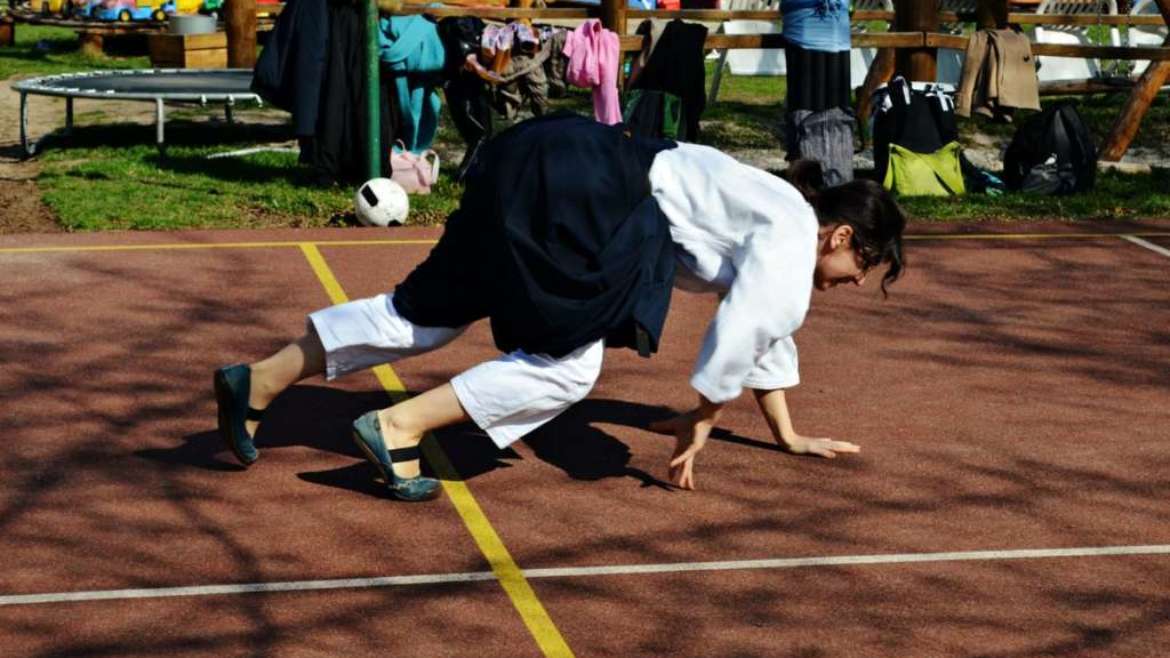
<point x="38" y="87"/>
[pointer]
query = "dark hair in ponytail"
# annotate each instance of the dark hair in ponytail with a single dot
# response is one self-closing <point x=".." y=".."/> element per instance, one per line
<point x="864" y="205"/>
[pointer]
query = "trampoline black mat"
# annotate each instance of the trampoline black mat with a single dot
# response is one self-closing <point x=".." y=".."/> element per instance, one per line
<point x="224" y="82"/>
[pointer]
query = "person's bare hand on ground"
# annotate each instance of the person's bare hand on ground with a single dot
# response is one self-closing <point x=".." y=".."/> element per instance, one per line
<point x="817" y="446"/>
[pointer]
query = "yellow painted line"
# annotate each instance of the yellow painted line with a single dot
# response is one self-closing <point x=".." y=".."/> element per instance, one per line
<point x="1030" y="236"/>
<point x="368" y="243"/>
<point x="535" y="617"/>
<point x="208" y="245"/>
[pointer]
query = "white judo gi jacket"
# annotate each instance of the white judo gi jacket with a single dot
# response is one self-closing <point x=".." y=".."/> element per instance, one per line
<point x="751" y="237"/>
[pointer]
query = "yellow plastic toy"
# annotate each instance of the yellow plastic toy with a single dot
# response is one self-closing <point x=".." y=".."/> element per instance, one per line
<point x="47" y="7"/>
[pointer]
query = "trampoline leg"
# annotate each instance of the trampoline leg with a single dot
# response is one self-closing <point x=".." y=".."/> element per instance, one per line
<point x="160" y="119"/>
<point x="29" y="147"/>
<point x="228" y="113"/>
<point x="69" y="115"/>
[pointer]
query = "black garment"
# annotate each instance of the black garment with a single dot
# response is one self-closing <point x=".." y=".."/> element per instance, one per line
<point x="651" y="113"/>
<point x="1051" y="153"/>
<point x="676" y="67"/>
<point x="290" y="69"/>
<point x="557" y="239"/>
<point x="817" y="80"/>
<point x="466" y="93"/>
<point x="339" y="150"/>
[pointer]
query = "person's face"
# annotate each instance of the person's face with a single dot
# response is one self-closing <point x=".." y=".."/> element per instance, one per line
<point x="837" y="261"/>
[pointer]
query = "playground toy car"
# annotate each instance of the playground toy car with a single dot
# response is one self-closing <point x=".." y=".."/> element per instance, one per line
<point x="125" y="11"/>
<point x="49" y="7"/>
<point x="83" y="8"/>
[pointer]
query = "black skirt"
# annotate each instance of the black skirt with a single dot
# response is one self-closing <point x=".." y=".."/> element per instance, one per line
<point x="817" y="80"/>
<point x="557" y="240"/>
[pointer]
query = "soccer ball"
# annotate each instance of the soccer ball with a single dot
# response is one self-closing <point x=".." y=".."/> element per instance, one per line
<point x="381" y="202"/>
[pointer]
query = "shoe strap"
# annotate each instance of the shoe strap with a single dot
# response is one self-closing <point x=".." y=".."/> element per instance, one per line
<point x="400" y="455"/>
<point x="255" y="414"/>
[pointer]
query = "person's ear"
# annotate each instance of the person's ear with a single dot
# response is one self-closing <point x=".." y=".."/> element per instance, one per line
<point x="841" y="236"/>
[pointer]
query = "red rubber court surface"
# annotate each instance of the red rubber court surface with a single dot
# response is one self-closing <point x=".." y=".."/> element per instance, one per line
<point x="1011" y="498"/>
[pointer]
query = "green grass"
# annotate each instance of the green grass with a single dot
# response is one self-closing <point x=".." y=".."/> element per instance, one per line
<point x="746" y="114"/>
<point x="1116" y="196"/>
<point x="45" y="50"/>
<point x="109" y="175"/>
<point x="1098" y="111"/>
<point x="133" y="187"/>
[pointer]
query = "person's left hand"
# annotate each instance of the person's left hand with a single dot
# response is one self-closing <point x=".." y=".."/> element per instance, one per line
<point x="690" y="432"/>
<point x="819" y="447"/>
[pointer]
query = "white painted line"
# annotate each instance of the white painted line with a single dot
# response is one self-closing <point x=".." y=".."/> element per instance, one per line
<point x="1147" y="244"/>
<point x="847" y="560"/>
<point x="245" y="588"/>
<point x="571" y="572"/>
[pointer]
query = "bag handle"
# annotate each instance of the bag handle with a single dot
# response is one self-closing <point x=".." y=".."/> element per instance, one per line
<point x="434" y="157"/>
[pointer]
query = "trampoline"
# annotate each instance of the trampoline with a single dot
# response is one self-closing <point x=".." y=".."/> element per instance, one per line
<point x="202" y="86"/>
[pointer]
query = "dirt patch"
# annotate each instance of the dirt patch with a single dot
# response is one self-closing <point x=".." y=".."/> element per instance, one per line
<point x="21" y="208"/>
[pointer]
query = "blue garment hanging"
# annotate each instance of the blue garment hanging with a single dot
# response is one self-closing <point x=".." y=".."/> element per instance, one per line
<point x="411" y="48"/>
<point x="821" y="25"/>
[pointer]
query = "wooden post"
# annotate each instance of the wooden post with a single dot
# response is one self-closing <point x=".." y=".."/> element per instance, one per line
<point x="7" y="31"/>
<point x="880" y="72"/>
<point x="91" y="42"/>
<point x="613" y="16"/>
<point x="991" y="14"/>
<point x="1147" y="87"/>
<point x="241" y="33"/>
<point x="917" y="64"/>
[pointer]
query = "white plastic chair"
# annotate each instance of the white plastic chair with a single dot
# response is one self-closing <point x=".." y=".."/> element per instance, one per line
<point x="1144" y="35"/>
<point x="860" y="59"/>
<point x="1069" y="68"/>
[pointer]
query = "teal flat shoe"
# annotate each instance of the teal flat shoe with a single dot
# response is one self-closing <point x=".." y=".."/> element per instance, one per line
<point x="367" y="434"/>
<point x="232" y="387"/>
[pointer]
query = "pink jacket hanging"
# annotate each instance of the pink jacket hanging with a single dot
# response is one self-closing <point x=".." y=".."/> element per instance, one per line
<point x="593" y="62"/>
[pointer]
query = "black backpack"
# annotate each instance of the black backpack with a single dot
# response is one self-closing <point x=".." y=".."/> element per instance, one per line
<point x="922" y="121"/>
<point x="1051" y="153"/>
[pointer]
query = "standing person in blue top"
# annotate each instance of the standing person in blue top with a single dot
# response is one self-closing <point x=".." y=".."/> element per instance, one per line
<point x="568" y="239"/>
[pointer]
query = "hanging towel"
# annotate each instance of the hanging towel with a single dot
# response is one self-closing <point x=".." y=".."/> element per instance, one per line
<point x="999" y="75"/>
<point x="411" y="48"/>
<point x="593" y="62"/>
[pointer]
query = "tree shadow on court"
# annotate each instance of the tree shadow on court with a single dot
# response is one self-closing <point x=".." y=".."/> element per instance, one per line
<point x="312" y="416"/>
<point x="570" y="442"/>
<point x="1024" y="415"/>
<point x="573" y="442"/>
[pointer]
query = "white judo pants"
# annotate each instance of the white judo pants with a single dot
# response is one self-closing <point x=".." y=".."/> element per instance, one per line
<point x="507" y="397"/>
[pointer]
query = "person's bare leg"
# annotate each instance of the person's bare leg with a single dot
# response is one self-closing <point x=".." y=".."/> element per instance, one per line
<point x="300" y="359"/>
<point x="404" y="424"/>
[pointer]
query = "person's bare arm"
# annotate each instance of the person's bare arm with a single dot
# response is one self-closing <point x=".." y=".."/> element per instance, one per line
<point x="774" y="406"/>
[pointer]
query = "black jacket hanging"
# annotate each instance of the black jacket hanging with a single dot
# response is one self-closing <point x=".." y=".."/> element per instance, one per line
<point x="466" y="92"/>
<point x="291" y="67"/>
<point x="339" y="150"/>
<point x="676" y="67"/>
